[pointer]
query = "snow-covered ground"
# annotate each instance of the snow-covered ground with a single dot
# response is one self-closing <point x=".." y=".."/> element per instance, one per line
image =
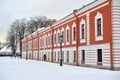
<point x="21" y="69"/>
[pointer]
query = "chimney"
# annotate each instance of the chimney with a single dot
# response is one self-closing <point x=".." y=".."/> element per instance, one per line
<point x="52" y="21"/>
<point x="39" y="26"/>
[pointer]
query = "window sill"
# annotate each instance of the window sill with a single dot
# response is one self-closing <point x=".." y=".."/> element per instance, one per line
<point x="82" y="41"/>
<point x="74" y="42"/>
<point x="99" y="38"/>
<point x="67" y="43"/>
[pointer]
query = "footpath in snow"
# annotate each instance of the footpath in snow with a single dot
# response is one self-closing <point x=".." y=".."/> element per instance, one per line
<point x="21" y="69"/>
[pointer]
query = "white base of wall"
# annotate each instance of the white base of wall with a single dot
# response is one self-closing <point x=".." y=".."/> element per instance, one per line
<point x="91" y="54"/>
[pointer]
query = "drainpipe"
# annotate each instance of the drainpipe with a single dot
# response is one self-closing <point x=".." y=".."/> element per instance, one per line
<point x="111" y="47"/>
<point x="52" y="42"/>
<point x="77" y="35"/>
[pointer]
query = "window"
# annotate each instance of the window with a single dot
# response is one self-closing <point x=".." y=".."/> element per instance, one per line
<point x="67" y="56"/>
<point x="55" y="56"/>
<point x="83" y="55"/>
<point x="58" y="55"/>
<point x="54" y="38"/>
<point x="63" y="36"/>
<point x="58" y="38"/>
<point x="68" y="35"/>
<point x="99" y="27"/>
<point x="82" y="31"/>
<point x="63" y="56"/>
<point x="99" y="55"/>
<point x="74" y="56"/>
<point x="74" y="33"/>
<point x="48" y="55"/>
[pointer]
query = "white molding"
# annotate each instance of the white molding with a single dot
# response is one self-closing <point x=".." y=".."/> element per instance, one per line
<point x="99" y="15"/>
<point x="68" y="28"/>
<point x="82" y="40"/>
<point x="73" y="25"/>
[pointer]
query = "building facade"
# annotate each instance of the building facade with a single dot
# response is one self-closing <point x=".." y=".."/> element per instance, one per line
<point x="91" y="37"/>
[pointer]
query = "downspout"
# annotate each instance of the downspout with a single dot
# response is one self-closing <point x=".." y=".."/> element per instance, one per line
<point x="52" y="42"/>
<point x="77" y="35"/>
<point x="111" y="46"/>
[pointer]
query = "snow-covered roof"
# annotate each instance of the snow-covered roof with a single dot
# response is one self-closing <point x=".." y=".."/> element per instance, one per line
<point x="6" y="49"/>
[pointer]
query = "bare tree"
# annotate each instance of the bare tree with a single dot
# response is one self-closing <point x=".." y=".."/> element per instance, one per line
<point x="19" y="28"/>
<point x="11" y="40"/>
<point x="16" y="34"/>
<point x="43" y="21"/>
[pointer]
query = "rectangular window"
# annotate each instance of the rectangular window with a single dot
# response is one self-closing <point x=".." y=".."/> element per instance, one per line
<point x="74" y="56"/>
<point x="55" y="56"/>
<point x="67" y="35"/>
<point x="83" y="55"/>
<point x="99" y="55"/>
<point x="74" y="33"/>
<point x="99" y="27"/>
<point x="67" y="56"/>
<point x="63" y="56"/>
<point x="48" y="55"/>
<point x="83" y="31"/>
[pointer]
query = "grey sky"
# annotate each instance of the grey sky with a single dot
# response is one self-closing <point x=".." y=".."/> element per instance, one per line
<point x="11" y="10"/>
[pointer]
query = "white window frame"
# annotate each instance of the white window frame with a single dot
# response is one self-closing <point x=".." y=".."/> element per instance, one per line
<point x="81" y="23"/>
<point x="67" y="28"/>
<point x="73" y="25"/>
<point x="99" y="15"/>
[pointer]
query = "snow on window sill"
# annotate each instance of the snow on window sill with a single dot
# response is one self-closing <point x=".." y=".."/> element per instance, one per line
<point x="99" y="38"/>
<point x="82" y="41"/>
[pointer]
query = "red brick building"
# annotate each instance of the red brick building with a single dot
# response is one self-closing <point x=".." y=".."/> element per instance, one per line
<point x="91" y="37"/>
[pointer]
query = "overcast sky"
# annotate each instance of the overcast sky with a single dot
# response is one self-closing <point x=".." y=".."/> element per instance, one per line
<point x="10" y="10"/>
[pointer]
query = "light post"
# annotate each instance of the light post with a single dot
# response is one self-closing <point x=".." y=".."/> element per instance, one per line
<point x="61" y="40"/>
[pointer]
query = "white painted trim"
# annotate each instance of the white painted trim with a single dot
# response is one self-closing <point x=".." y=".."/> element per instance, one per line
<point x="99" y="15"/>
<point x="67" y="28"/>
<point x="82" y="40"/>
<point x="73" y="25"/>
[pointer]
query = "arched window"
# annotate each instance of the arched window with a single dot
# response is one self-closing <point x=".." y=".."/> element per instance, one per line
<point x="58" y="35"/>
<point x="82" y="31"/>
<point x="55" y="37"/>
<point x="74" y="33"/>
<point x="99" y="26"/>
<point x="62" y="32"/>
<point x="67" y="35"/>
